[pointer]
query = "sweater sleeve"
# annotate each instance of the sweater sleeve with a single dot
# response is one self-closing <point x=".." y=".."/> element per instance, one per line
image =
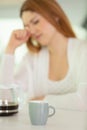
<point x="82" y="74"/>
<point x="8" y="75"/>
<point x="7" y="69"/>
<point x="82" y="64"/>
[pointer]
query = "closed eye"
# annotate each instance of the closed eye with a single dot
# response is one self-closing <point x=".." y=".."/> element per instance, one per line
<point x="35" y="22"/>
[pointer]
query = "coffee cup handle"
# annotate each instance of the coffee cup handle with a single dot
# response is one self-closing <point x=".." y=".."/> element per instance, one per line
<point x="51" y="107"/>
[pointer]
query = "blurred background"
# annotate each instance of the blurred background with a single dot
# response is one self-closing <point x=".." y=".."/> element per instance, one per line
<point x="76" y="11"/>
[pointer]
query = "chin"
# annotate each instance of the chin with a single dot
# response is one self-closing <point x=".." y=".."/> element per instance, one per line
<point x="44" y="44"/>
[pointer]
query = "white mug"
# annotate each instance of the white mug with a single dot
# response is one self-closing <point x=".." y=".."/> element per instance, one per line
<point x="39" y="112"/>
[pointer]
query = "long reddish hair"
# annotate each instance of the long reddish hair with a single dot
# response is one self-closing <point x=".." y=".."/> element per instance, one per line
<point x="50" y="10"/>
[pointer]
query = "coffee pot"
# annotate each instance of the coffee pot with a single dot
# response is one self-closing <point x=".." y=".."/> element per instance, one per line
<point x="10" y="98"/>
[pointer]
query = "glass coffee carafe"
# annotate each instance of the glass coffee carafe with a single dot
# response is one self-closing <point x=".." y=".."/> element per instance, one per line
<point x="10" y="96"/>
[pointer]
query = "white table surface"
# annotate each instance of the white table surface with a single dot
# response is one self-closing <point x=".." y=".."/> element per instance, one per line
<point x="64" y="119"/>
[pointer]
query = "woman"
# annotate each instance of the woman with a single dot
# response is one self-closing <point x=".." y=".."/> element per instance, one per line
<point x="56" y="60"/>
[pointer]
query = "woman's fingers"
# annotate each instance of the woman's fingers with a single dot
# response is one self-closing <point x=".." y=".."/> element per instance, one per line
<point x="22" y="34"/>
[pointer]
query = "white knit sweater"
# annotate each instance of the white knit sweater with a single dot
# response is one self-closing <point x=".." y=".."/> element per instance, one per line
<point x="32" y="74"/>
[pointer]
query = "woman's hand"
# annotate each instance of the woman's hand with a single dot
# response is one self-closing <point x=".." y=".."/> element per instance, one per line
<point x="38" y="98"/>
<point x="18" y="37"/>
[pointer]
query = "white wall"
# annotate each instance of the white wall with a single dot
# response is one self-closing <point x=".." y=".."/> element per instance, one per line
<point x="75" y="9"/>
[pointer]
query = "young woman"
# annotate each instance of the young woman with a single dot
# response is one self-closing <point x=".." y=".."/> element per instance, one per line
<point x="56" y="60"/>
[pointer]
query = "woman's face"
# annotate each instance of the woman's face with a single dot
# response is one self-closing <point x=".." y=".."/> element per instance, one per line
<point x="39" y="27"/>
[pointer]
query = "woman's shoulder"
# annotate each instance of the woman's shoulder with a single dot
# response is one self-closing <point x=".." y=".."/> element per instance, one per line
<point x="78" y="44"/>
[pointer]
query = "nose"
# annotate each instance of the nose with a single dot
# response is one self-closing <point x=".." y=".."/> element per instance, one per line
<point x="32" y="30"/>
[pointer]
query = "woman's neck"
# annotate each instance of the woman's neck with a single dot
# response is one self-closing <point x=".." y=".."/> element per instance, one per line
<point x="58" y="45"/>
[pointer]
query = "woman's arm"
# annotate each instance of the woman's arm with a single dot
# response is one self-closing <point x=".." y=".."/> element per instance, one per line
<point x="82" y="80"/>
<point x="18" y="37"/>
<point x="7" y="71"/>
<point x="38" y="98"/>
<point x="82" y="64"/>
